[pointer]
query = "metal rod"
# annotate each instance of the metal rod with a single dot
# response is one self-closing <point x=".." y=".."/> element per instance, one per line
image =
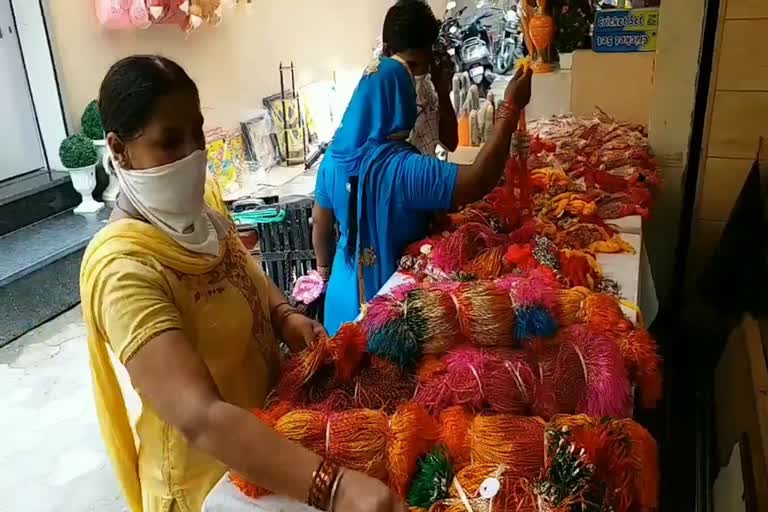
<point x="285" y="115"/>
<point x="298" y="106"/>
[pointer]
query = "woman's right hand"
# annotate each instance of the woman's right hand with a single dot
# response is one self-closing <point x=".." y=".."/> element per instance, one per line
<point x="360" y="493"/>
<point x="518" y="90"/>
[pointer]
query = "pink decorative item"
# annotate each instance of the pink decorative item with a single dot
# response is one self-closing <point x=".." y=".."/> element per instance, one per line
<point x="123" y="14"/>
<point x="140" y="14"/>
<point x="309" y="287"/>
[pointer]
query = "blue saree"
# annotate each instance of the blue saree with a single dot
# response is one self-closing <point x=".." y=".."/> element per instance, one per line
<point x="382" y="192"/>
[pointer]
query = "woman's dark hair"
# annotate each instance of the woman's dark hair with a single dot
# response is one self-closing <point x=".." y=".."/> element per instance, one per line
<point x="131" y="89"/>
<point x="410" y="25"/>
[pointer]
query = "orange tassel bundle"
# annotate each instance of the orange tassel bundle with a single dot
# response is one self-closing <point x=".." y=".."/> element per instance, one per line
<point x="514" y="494"/>
<point x="600" y="453"/>
<point x="413" y="433"/>
<point x="345" y="351"/>
<point x="516" y="441"/>
<point x="580" y="268"/>
<point x="645" y="459"/>
<point x="384" y="447"/>
<point x="571" y="305"/>
<point x="454" y="424"/>
<point x="489" y="264"/>
<point x="379" y="385"/>
<point x="437" y="306"/>
<point x="643" y="361"/>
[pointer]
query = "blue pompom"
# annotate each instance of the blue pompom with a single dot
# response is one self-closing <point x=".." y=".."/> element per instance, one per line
<point x="534" y="322"/>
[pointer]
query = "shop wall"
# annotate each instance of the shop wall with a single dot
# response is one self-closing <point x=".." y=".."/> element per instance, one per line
<point x="676" y="69"/>
<point x="234" y="64"/>
<point x="737" y="119"/>
<point x="620" y="84"/>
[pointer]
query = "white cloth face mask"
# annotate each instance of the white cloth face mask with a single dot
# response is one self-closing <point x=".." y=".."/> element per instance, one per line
<point x="172" y="198"/>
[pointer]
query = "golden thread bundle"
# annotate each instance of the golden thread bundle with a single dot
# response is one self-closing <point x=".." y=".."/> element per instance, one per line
<point x="384" y="447"/>
<point x="516" y="441"/>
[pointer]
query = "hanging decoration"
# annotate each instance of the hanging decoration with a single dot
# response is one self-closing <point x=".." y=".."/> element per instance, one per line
<point x="142" y="14"/>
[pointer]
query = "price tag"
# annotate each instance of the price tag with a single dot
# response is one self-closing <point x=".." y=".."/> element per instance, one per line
<point x="490" y="488"/>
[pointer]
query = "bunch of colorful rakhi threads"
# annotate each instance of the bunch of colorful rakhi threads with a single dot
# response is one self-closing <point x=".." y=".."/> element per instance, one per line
<point x="475" y="251"/>
<point x="504" y="375"/>
<point x="433" y="318"/>
<point x="582" y="174"/>
<point x="587" y="464"/>
<point x="570" y="461"/>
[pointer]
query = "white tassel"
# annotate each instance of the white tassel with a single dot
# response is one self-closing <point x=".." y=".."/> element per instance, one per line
<point x="195" y="22"/>
<point x="157" y="12"/>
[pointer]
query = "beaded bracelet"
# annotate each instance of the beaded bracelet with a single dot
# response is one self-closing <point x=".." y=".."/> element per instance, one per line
<point x="324" y="483"/>
<point x="507" y="111"/>
<point x="278" y="306"/>
<point x="325" y="272"/>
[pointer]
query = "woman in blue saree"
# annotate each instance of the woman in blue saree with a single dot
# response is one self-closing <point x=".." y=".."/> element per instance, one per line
<point x="383" y="192"/>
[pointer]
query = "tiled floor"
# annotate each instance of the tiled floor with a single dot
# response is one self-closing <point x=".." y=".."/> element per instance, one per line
<point x="51" y="454"/>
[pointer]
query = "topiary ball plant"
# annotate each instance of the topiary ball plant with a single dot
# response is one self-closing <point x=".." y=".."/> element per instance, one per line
<point x="78" y="151"/>
<point x="90" y="123"/>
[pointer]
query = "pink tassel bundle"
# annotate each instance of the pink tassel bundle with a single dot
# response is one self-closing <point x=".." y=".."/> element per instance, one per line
<point x="583" y="373"/>
<point x="607" y="390"/>
<point x="479" y="379"/>
<point x="538" y="287"/>
<point x="454" y="252"/>
<point x="603" y="313"/>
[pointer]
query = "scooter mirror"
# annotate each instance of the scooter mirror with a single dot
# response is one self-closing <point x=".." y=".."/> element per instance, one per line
<point x="450" y="6"/>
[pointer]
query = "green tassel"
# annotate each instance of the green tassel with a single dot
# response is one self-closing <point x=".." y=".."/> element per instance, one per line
<point x="432" y="480"/>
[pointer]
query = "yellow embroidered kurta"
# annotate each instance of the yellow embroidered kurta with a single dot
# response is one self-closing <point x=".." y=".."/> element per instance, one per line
<point x="137" y="283"/>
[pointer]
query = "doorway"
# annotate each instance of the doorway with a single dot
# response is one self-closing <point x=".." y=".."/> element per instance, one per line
<point x="21" y="151"/>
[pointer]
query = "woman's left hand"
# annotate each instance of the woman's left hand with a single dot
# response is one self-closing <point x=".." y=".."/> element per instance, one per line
<point x="300" y="332"/>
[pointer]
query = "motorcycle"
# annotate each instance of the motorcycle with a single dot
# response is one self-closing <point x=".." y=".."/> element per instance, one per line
<point x="511" y="47"/>
<point x="470" y="46"/>
<point x="450" y="37"/>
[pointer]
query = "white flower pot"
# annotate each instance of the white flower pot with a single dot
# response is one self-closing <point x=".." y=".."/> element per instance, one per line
<point x="84" y="181"/>
<point x="110" y="193"/>
<point x="566" y="60"/>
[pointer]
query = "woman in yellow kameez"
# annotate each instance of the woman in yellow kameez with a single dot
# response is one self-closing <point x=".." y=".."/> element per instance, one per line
<point x="169" y="288"/>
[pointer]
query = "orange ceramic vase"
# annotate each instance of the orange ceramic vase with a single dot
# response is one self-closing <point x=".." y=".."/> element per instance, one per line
<point x="542" y="30"/>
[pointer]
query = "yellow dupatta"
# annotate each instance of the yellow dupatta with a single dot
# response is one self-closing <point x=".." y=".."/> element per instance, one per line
<point x="117" y="240"/>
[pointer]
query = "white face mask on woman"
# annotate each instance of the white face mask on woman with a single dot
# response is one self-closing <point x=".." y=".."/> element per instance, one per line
<point x="172" y="198"/>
